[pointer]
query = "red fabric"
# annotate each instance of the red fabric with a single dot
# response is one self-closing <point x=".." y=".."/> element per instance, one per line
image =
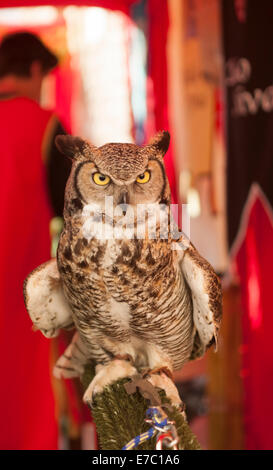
<point x="254" y="262"/>
<point x="122" y="5"/>
<point x="27" y="407"/>
<point x="158" y="31"/>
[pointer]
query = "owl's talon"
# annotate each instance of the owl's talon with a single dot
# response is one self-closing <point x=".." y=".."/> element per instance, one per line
<point x="88" y="398"/>
<point x="158" y="370"/>
<point x="106" y="374"/>
<point x="162" y="378"/>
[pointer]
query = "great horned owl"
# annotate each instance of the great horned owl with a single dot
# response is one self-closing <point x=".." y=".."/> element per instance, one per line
<point x="137" y="303"/>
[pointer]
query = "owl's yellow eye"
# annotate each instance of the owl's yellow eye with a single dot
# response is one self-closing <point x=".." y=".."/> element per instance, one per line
<point x="144" y="178"/>
<point x="101" y="179"/>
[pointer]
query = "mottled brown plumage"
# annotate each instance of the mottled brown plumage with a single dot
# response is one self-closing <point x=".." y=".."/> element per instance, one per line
<point x="129" y="297"/>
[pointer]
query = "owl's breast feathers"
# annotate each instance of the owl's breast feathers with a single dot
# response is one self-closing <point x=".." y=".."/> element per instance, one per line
<point x="127" y="288"/>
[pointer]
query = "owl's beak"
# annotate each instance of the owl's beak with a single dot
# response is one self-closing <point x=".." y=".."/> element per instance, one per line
<point x="124" y="201"/>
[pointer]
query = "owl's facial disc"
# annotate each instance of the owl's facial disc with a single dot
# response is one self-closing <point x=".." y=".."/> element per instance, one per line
<point x="146" y="186"/>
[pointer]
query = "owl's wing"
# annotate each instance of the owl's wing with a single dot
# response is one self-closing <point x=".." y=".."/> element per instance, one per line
<point x="45" y="300"/>
<point x="206" y="294"/>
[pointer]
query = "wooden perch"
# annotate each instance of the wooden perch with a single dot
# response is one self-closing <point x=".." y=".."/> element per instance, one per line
<point x="120" y="416"/>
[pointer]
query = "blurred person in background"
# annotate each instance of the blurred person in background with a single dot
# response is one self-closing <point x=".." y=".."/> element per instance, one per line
<point x="34" y="175"/>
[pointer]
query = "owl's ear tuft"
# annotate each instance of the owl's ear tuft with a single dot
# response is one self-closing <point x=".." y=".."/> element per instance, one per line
<point x="69" y="145"/>
<point x="160" y="142"/>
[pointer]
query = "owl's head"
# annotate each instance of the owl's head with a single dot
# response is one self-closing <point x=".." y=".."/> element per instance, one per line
<point x="130" y="174"/>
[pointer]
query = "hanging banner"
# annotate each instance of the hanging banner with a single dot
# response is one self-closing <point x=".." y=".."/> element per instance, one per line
<point x="248" y="37"/>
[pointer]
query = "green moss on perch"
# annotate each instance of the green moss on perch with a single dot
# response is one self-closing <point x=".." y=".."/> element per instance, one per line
<point x="119" y="417"/>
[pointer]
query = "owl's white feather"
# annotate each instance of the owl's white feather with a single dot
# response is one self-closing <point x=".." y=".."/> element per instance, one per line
<point x="204" y="286"/>
<point x="45" y="301"/>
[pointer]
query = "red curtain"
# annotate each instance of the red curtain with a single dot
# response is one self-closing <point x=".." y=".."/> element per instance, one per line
<point x="254" y="261"/>
<point x="27" y="406"/>
<point x="158" y="31"/>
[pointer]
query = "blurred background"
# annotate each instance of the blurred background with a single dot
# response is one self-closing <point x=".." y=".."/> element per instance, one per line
<point x="124" y="69"/>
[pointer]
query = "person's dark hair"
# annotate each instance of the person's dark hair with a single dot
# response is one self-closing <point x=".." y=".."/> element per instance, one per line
<point x="19" y="50"/>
